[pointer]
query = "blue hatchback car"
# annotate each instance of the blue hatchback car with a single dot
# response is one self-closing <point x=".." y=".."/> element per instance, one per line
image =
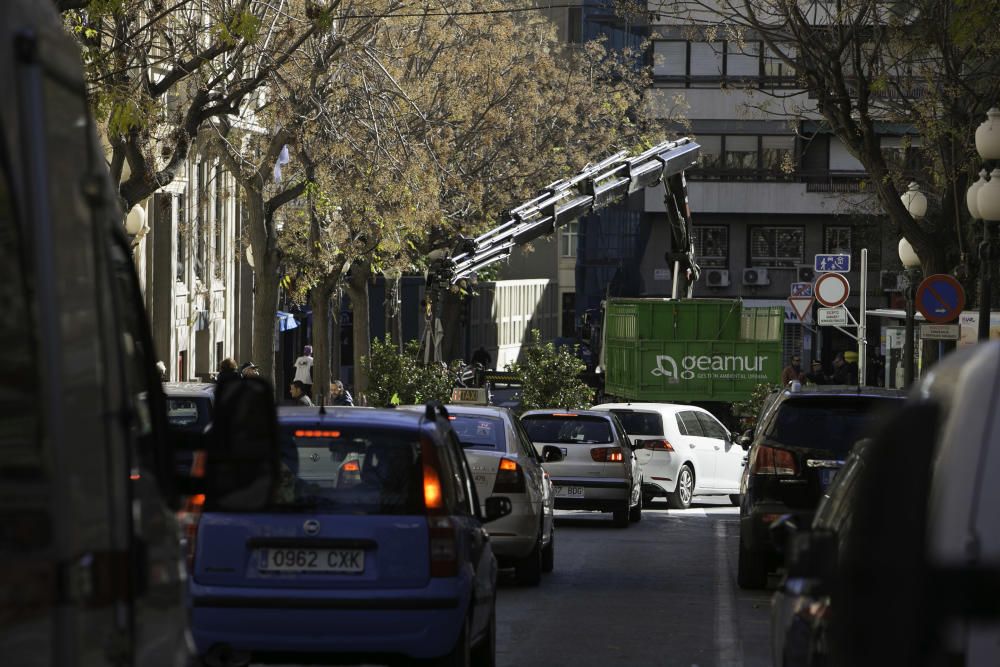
<point x="372" y="547"/>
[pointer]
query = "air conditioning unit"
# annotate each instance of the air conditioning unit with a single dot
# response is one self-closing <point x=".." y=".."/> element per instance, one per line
<point x="892" y="281"/>
<point x="717" y="278"/>
<point x="805" y="273"/>
<point x="755" y="276"/>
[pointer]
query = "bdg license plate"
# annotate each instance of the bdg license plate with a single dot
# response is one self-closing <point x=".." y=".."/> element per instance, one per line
<point x="569" y="491"/>
<point x="336" y="561"/>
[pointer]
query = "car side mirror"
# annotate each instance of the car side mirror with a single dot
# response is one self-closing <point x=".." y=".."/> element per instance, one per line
<point x="242" y="457"/>
<point x="497" y="507"/>
<point x="551" y="454"/>
<point x="781" y="530"/>
<point x="745" y="439"/>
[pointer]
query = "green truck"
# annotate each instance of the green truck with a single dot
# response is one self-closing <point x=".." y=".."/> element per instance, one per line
<point x="689" y="350"/>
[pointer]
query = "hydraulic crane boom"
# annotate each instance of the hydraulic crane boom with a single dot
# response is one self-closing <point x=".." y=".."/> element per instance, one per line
<point x="567" y="199"/>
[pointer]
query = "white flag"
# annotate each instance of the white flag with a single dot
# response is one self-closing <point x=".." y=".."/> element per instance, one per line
<point x="282" y="159"/>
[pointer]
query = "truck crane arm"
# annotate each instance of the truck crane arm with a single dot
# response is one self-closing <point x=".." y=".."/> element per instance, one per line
<point x="566" y="200"/>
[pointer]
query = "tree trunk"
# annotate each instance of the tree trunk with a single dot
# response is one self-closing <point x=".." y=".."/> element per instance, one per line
<point x="323" y="343"/>
<point x="358" y="291"/>
<point x="265" y="297"/>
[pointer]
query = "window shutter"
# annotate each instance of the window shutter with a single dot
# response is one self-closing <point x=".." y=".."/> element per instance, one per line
<point x="706" y="58"/>
<point x="743" y="61"/>
<point x="669" y="58"/>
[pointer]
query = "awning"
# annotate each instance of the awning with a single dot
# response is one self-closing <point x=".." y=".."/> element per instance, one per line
<point x="286" y="321"/>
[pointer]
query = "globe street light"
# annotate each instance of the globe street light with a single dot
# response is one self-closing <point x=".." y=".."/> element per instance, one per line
<point x="916" y="204"/>
<point x="986" y="207"/>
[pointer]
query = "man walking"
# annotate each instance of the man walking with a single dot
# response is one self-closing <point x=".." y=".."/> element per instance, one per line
<point x="303" y="369"/>
<point x="299" y="396"/>
<point x="792" y="372"/>
<point x="339" y="394"/>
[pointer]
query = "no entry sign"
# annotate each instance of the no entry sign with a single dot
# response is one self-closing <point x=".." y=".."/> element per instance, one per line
<point x="832" y="289"/>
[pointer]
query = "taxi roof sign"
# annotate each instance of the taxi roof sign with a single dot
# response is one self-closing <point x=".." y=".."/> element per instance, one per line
<point x="469" y="396"/>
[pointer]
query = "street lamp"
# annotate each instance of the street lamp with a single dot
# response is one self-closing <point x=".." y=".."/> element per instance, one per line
<point x="983" y="200"/>
<point x="916" y="204"/>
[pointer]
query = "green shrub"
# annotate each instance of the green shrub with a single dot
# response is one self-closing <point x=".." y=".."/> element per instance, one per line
<point x="550" y="377"/>
<point x="396" y="378"/>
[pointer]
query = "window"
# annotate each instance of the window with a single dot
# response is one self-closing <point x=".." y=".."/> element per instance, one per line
<point x="574" y="25"/>
<point x="741" y="152"/>
<point x="569" y="314"/>
<point x="774" y="66"/>
<point x="706" y="59"/>
<point x="688" y="423"/>
<point x="711" y="152"/>
<point x="837" y="240"/>
<point x="638" y="422"/>
<point x="777" y="154"/>
<point x="182" y="237"/>
<point x="669" y="58"/>
<point x="711" y="245"/>
<point x="568" y="239"/>
<point x="478" y="432"/>
<point x="570" y="429"/>
<point x="743" y="61"/>
<point x="711" y="427"/>
<point x="777" y="246"/>
<point x="219" y="226"/>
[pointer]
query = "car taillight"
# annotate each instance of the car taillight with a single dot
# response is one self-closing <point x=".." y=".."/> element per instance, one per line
<point x="510" y="478"/>
<point x="659" y="445"/>
<point x="441" y="538"/>
<point x="349" y="474"/>
<point x="773" y="461"/>
<point x="606" y="454"/>
<point x="189" y="518"/>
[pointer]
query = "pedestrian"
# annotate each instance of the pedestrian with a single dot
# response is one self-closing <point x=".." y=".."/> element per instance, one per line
<point x="339" y="394"/>
<point x="303" y="369"/>
<point x="816" y="374"/>
<point x="482" y="357"/>
<point x="793" y="372"/>
<point x="227" y="371"/>
<point x="249" y="370"/>
<point x="299" y="396"/>
<point x="845" y="368"/>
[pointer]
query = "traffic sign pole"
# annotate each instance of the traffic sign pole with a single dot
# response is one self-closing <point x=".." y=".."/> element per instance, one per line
<point x="863" y="320"/>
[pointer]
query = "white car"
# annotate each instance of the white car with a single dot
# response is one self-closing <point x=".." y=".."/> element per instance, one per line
<point x="504" y="462"/>
<point x="682" y="450"/>
<point x="590" y="459"/>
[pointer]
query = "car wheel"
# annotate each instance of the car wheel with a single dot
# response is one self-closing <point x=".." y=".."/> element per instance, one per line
<point x="485" y="653"/>
<point x="635" y="514"/>
<point x="734" y="498"/>
<point x="528" y="570"/>
<point x="549" y="554"/>
<point x="751" y="569"/>
<point x="680" y="498"/>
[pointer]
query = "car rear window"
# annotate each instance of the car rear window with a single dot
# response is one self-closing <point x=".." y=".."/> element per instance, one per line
<point x="477" y="432"/>
<point x="582" y="429"/>
<point x="831" y="424"/>
<point x="640" y="423"/>
<point x="188" y="413"/>
<point x="349" y="471"/>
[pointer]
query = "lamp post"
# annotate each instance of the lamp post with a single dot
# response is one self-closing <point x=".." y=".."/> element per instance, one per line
<point x="983" y="200"/>
<point x="916" y="204"/>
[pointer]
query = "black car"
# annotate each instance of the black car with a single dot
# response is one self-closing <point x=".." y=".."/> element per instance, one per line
<point x="802" y="438"/>
<point x="801" y="609"/>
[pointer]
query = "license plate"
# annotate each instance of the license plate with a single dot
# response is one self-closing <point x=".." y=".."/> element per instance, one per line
<point x="569" y="491"/>
<point x="338" y="561"/>
<point x="826" y="476"/>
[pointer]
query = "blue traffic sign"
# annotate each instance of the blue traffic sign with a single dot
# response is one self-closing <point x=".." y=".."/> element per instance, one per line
<point x="940" y="298"/>
<point x="832" y="263"/>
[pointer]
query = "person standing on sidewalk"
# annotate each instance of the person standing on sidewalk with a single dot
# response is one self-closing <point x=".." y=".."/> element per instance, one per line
<point x="303" y="369"/>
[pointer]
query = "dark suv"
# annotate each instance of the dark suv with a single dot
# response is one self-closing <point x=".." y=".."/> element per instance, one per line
<point x="802" y="438"/>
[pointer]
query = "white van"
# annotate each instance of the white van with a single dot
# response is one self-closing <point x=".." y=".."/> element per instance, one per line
<point x="683" y="451"/>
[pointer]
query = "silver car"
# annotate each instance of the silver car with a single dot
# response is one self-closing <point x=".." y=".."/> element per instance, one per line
<point x="591" y="461"/>
<point x="504" y="462"/>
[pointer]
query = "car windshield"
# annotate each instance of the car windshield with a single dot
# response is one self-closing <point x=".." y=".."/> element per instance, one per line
<point x="188" y="413"/>
<point x="581" y="429"/>
<point x="350" y="471"/>
<point x="479" y="432"/>
<point x="640" y="423"/>
<point x="833" y="424"/>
